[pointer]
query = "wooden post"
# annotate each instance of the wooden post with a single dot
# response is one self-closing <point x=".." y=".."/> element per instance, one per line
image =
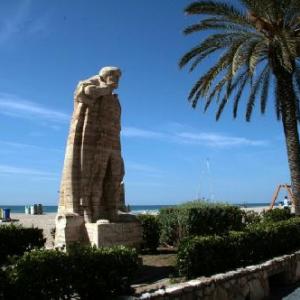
<point x="275" y="196"/>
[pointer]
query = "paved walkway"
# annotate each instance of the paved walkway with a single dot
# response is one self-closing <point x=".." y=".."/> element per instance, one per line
<point x="295" y="295"/>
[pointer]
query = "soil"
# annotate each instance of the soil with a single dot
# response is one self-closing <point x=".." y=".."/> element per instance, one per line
<point x="157" y="271"/>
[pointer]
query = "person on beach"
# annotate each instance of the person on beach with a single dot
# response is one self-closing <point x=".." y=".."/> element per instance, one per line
<point x="285" y="202"/>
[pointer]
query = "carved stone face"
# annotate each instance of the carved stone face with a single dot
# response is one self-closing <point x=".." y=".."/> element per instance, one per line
<point x="112" y="79"/>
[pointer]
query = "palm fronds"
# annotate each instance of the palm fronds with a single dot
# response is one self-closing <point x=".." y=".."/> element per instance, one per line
<point x="264" y="31"/>
<point x="224" y="10"/>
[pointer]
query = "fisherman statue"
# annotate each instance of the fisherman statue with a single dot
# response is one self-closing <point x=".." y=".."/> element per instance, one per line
<point x="92" y="181"/>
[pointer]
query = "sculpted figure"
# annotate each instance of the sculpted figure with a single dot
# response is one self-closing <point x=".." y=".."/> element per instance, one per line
<point x="93" y="170"/>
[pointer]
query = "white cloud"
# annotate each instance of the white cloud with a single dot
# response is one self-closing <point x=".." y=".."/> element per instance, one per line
<point x="146" y="184"/>
<point x="134" y="132"/>
<point x="143" y="168"/>
<point x="177" y="135"/>
<point x="12" y="24"/>
<point x="218" y="140"/>
<point x="27" y="146"/>
<point x="21" y="22"/>
<point x="12" y="170"/>
<point x="14" y="106"/>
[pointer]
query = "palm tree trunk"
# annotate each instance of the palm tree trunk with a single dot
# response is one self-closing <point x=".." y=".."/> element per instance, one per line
<point x="287" y="99"/>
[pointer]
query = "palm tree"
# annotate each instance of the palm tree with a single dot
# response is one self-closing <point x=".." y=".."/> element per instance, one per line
<point x="258" y="42"/>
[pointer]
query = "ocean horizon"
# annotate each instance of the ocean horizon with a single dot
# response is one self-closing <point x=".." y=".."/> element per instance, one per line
<point x="133" y="208"/>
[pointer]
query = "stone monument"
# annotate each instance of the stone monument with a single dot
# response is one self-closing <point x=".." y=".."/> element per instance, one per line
<point x="91" y="203"/>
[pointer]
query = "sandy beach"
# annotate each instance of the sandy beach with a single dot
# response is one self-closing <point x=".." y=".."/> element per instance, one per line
<point x="262" y="208"/>
<point x="257" y="209"/>
<point x="45" y="222"/>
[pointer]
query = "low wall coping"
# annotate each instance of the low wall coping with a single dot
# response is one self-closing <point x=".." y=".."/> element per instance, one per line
<point x="271" y="267"/>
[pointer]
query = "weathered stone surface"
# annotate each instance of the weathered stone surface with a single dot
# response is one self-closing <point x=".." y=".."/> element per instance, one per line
<point x="221" y="293"/>
<point x="174" y="290"/>
<point x="92" y="179"/>
<point x="256" y="290"/>
<point x="245" y="291"/>
<point x="297" y="275"/>
<point x="69" y="228"/>
<point x="91" y="184"/>
<point x="243" y="281"/>
<point x="188" y="296"/>
<point x="110" y="234"/>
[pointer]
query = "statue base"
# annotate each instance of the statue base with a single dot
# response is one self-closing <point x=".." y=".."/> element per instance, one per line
<point x="105" y="234"/>
<point x="71" y="228"/>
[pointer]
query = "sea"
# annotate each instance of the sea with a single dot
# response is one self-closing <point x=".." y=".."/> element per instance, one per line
<point x="136" y="209"/>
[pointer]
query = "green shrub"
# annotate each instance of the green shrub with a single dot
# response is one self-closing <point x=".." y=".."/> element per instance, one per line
<point x="212" y="254"/>
<point x="101" y="272"/>
<point x="84" y="272"/>
<point x="41" y="274"/>
<point x="4" y="285"/>
<point x="206" y="252"/>
<point x="15" y="240"/>
<point x="277" y="214"/>
<point x="251" y="217"/>
<point x="213" y="219"/>
<point x="151" y="232"/>
<point x="198" y="218"/>
<point x="168" y="221"/>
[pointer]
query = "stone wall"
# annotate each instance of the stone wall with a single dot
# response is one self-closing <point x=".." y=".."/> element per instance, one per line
<point x="250" y="283"/>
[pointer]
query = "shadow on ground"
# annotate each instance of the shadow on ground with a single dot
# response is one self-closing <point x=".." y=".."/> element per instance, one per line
<point x="150" y="274"/>
<point x="155" y="272"/>
<point x="287" y="292"/>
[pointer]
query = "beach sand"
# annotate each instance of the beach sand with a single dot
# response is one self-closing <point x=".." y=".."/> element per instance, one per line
<point x="45" y="222"/>
<point x="262" y="208"/>
<point x="256" y="209"/>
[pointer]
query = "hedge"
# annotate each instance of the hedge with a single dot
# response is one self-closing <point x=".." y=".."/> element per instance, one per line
<point x="102" y="271"/>
<point x="40" y="274"/>
<point x="169" y="226"/>
<point x="4" y="284"/>
<point x="207" y="255"/>
<point x="151" y="232"/>
<point x="83" y="272"/>
<point x="198" y="218"/>
<point x="277" y="214"/>
<point x="251" y="217"/>
<point x="15" y="240"/>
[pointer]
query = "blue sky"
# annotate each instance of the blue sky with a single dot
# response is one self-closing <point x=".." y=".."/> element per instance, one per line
<point x="172" y="153"/>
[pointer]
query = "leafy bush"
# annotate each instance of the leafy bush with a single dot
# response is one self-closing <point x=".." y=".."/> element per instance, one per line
<point x="169" y="226"/>
<point x="198" y="218"/>
<point x="41" y="274"/>
<point x="4" y="285"/>
<point x="101" y="272"/>
<point x="214" y="219"/>
<point x="151" y="232"/>
<point x="212" y="254"/>
<point x="277" y="214"/>
<point x="251" y="217"/>
<point x="84" y="272"/>
<point x="15" y="240"/>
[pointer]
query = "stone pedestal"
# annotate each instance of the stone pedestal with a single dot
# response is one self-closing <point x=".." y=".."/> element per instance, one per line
<point x="69" y="229"/>
<point x="105" y="234"/>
